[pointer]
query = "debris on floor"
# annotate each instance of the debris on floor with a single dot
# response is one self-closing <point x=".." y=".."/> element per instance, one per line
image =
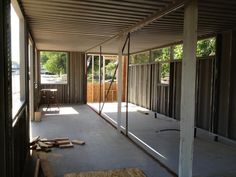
<point x="143" y="112"/>
<point x="78" y="142"/>
<point x="42" y="167"/>
<point x="131" y="172"/>
<point x="44" y="144"/>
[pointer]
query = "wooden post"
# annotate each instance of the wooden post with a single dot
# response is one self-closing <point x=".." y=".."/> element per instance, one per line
<point x="119" y="85"/>
<point x="188" y="89"/>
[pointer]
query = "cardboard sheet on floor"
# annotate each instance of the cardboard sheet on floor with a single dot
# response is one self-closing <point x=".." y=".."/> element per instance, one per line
<point x="125" y="172"/>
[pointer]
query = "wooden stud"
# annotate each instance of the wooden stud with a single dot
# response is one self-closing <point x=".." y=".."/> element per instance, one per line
<point x="46" y="168"/>
<point x="70" y="145"/>
<point x="34" y="140"/>
<point x="78" y="142"/>
<point x="36" y="172"/>
<point x="62" y="142"/>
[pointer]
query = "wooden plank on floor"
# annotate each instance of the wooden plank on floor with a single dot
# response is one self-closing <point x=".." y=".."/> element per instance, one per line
<point x="79" y="142"/>
<point x="126" y="172"/>
<point x="66" y="145"/>
<point x="46" y="168"/>
<point x="36" y="172"/>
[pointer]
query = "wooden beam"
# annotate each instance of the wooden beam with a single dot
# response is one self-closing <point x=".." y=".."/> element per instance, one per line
<point x="46" y="168"/>
<point x="36" y="172"/>
<point x="188" y="89"/>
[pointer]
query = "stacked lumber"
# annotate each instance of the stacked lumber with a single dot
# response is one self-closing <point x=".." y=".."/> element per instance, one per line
<point x="44" y="144"/>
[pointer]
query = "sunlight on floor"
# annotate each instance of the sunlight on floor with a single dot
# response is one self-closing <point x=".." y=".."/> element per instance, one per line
<point x="60" y="111"/>
<point x="112" y="107"/>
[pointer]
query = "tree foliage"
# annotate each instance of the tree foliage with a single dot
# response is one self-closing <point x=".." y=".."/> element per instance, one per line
<point x="110" y="66"/>
<point x="162" y="54"/>
<point x="205" y="47"/>
<point x="178" y="51"/>
<point x="139" y="58"/>
<point x="54" y="62"/>
<point x="165" y="72"/>
<point x="110" y="69"/>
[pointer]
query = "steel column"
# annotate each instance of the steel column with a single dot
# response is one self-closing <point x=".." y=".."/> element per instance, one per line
<point x="188" y="89"/>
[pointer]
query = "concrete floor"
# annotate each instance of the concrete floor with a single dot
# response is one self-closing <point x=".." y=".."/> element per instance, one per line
<point x="104" y="149"/>
<point x="211" y="159"/>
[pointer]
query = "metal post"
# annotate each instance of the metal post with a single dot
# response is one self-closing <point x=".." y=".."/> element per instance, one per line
<point x="100" y="79"/>
<point x="103" y="78"/>
<point x="188" y="89"/>
<point x="127" y="89"/>
<point x="92" y="78"/>
<point x="119" y="89"/>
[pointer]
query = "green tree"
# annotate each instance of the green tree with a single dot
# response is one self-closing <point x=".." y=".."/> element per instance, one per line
<point x="56" y="62"/>
<point x="110" y="69"/>
<point x="205" y="47"/>
<point x="165" y="71"/>
<point x="178" y="51"/>
<point x="139" y="58"/>
<point x="162" y="54"/>
<point x="44" y="56"/>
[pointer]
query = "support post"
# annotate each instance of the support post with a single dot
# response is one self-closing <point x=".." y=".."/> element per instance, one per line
<point x="103" y="79"/>
<point x="92" y="78"/>
<point x="188" y="89"/>
<point x="100" y="79"/>
<point x="119" y="85"/>
<point x="127" y="88"/>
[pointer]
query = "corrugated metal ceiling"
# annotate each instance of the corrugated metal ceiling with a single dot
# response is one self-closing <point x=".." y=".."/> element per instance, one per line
<point x="78" y="25"/>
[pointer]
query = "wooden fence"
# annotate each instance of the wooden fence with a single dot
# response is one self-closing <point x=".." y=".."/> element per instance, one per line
<point x="93" y="92"/>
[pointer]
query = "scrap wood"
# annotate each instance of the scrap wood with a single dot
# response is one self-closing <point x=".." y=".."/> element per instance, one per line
<point x="46" y="149"/>
<point x="62" y="142"/>
<point x="50" y="143"/>
<point x="38" y="148"/>
<point x="61" y="139"/>
<point x="33" y="146"/>
<point x="54" y="140"/>
<point x="43" y="145"/>
<point x="42" y="155"/>
<point x="43" y="139"/>
<point x="36" y="172"/>
<point x="34" y="140"/>
<point x="46" y="168"/>
<point x="66" y="145"/>
<point x="78" y="142"/>
<point x="143" y="112"/>
<point x="131" y="172"/>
